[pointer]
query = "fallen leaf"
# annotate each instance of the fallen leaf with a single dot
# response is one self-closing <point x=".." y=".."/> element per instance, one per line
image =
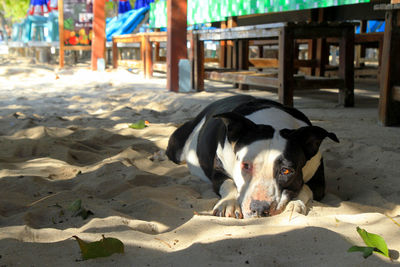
<point x="367" y="251"/>
<point x="103" y="248"/>
<point x="84" y="213"/>
<point x="75" y="206"/>
<point x="374" y="241"/>
<point x="78" y="210"/>
<point x="139" y="125"/>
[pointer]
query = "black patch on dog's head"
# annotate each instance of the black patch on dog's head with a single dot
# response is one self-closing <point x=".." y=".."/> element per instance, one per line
<point x="242" y="131"/>
<point x="309" y="138"/>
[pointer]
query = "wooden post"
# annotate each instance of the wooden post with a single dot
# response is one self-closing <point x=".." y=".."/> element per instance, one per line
<point x="232" y="22"/>
<point x="156" y="48"/>
<point x="222" y="49"/>
<point x="114" y="54"/>
<point x="243" y="64"/>
<point x="321" y="48"/>
<point x="285" y="74"/>
<point x="148" y="57"/>
<point x="176" y="43"/>
<point x="99" y="31"/>
<point x="389" y="110"/>
<point x="191" y="55"/>
<point x="61" y="31"/>
<point x="363" y="29"/>
<point x="346" y="67"/>
<point x="311" y="51"/>
<point x="198" y="62"/>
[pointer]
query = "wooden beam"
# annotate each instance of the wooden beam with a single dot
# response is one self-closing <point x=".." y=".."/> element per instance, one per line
<point x="114" y="54"/>
<point x="131" y="63"/>
<point x="148" y="57"/>
<point x="285" y="74"/>
<point x="243" y="59"/>
<point x="320" y="49"/>
<point x="346" y="68"/>
<point x="389" y="110"/>
<point x="250" y="78"/>
<point x="264" y="62"/>
<point x="274" y="63"/>
<point x="232" y="22"/>
<point x="211" y="60"/>
<point x="99" y="32"/>
<point x="61" y="31"/>
<point x="198" y="62"/>
<point x="128" y="38"/>
<point x="222" y="49"/>
<point x="143" y="54"/>
<point x="156" y="48"/>
<point x="176" y="43"/>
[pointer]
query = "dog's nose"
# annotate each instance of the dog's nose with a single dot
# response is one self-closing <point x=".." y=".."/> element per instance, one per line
<point x="259" y="208"/>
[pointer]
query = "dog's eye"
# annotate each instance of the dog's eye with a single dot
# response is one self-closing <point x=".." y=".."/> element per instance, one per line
<point x="286" y="171"/>
<point x="247" y="166"/>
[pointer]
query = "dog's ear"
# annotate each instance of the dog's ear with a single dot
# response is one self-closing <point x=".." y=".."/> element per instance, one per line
<point x="236" y="125"/>
<point x="309" y="137"/>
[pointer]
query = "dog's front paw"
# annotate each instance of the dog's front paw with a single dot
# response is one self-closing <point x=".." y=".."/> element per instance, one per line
<point x="296" y="206"/>
<point x="228" y="207"/>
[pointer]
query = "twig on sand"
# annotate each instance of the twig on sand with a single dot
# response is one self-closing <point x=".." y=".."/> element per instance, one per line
<point x="398" y="224"/>
<point x="164" y="242"/>
<point x="43" y="198"/>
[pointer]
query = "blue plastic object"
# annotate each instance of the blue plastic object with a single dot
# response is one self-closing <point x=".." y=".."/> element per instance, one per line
<point x="142" y="3"/>
<point x="37" y="28"/>
<point x="125" y="23"/>
<point x="124" y="6"/>
<point x="373" y="26"/>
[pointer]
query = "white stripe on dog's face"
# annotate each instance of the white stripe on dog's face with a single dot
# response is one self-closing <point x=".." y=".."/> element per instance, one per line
<point x="254" y="172"/>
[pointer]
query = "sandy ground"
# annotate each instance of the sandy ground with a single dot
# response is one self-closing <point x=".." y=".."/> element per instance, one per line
<point x="64" y="136"/>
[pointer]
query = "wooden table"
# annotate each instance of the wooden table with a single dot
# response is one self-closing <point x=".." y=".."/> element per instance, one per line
<point x="145" y="39"/>
<point x="285" y="34"/>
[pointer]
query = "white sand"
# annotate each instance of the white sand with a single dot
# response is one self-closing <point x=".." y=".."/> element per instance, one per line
<point x="64" y="136"/>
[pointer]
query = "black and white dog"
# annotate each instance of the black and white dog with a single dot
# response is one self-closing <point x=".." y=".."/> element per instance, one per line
<point x="261" y="156"/>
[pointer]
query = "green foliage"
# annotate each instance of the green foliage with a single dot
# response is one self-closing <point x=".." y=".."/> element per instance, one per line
<point x="13" y="9"/>
<point x="374" y="243"/>
<point x="103" y="248"/>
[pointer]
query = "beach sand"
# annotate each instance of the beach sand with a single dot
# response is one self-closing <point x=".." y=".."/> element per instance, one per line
<point x="64" y="136"/>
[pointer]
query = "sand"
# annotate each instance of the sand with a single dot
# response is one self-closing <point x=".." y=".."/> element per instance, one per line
<point x="64" y="136"/>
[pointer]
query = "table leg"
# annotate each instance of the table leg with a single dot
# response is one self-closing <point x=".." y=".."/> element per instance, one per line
<point x="389" y="110"/>
<point x="285" y="73"/>
<point x="346" y="68"/>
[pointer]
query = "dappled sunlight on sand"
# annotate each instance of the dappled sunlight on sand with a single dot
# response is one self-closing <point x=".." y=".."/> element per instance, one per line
<point x="64" y="135"/>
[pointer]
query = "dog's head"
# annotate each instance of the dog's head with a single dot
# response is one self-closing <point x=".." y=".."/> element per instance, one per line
<point x="269" y="164"/>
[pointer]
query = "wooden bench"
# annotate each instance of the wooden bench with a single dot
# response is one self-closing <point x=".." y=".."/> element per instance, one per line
<point x="286" y="81"/>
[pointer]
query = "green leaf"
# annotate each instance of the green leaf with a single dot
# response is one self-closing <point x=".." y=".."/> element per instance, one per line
<point x="78" y="210"/>
<point x="103" y="248"/>
<point x="84" y="213"/>
<point x="138" y="125"/>
<point x="367" y="251"/>
<point x="75" y="206"/>
<point x="374" y="241"/>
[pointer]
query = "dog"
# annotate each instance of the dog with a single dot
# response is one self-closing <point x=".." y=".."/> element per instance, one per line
<point x="262" y="157"/>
